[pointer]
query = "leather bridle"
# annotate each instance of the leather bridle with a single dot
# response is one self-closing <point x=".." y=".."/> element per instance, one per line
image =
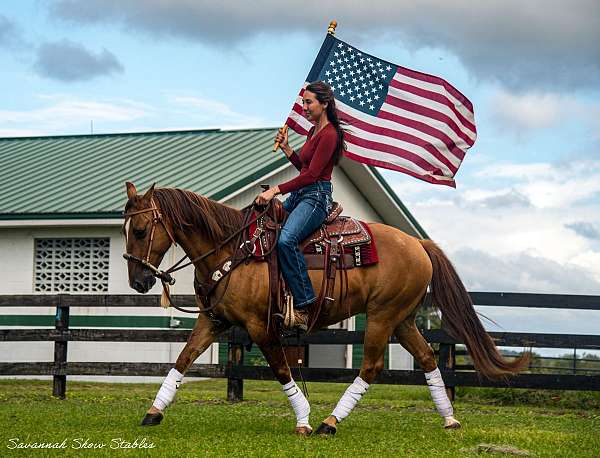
<point x="165" y="276"/>
<point x="156" y="218"/>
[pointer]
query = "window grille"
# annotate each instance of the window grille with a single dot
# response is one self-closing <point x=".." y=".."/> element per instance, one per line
<point x="75" y="265"/>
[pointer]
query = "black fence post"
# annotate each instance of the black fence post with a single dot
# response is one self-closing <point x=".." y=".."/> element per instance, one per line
<point x="235" y="357"/>
<point x="61" y="324"/>
<point x="447" y="362"/>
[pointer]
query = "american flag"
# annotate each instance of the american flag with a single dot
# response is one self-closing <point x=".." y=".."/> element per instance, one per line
<point x="398" y="118"/>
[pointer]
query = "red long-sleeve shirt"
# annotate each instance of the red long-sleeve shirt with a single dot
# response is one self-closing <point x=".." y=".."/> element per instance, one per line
<point x="315" y="161"/>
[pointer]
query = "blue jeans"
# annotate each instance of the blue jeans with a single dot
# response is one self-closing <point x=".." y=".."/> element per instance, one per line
<point x="307" y="207"/>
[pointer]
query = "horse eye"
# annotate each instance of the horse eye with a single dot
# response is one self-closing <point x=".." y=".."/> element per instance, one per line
<point x="139" y="233"/>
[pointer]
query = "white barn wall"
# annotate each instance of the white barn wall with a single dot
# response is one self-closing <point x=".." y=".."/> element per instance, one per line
<point x="17" y="267"/>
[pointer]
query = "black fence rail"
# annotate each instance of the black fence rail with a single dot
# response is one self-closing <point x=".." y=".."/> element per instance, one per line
<point x="237" y="340"/>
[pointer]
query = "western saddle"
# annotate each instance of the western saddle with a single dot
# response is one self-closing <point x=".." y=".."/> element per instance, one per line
<point x="329" y="248"/>
<point x="336" y="245"/>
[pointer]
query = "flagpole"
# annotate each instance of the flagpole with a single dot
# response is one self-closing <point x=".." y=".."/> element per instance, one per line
<point x="331" y="31"/>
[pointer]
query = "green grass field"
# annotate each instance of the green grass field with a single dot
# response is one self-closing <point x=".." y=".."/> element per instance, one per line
<point x="390" y="421"/>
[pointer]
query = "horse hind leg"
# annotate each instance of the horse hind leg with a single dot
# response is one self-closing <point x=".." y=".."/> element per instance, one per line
<point x="200" y="339"/>
<point x="411" y="339"/>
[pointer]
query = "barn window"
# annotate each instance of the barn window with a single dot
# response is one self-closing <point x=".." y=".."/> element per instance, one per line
<point x="77" y="265"/>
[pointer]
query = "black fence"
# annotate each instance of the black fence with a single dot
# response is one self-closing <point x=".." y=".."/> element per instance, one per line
<point x="237" y="340"/>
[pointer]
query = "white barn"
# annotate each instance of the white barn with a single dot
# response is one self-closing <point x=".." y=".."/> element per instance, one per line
<point x="60" y="227"/>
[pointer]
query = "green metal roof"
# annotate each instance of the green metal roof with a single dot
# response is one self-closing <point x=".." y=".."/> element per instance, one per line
<point x="83" y="176"/>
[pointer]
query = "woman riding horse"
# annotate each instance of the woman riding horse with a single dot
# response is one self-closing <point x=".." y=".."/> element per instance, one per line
<point x="310" y="200"/>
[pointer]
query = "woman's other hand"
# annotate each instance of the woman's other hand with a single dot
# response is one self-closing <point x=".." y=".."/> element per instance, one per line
<point x="265" y="197"/>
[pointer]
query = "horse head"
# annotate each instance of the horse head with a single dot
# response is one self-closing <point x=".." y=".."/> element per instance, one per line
<point x="148" y="236"/>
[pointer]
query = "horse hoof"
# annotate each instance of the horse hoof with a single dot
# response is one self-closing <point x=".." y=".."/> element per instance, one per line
<point x="451" y="423"/>
<point x="326" y="430"/>
<point x="303" y="431"/>
<point x="152" y="419"/>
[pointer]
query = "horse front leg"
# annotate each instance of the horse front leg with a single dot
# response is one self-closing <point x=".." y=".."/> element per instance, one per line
<point x="202" y="336"/>
<point x="271" y="348"/>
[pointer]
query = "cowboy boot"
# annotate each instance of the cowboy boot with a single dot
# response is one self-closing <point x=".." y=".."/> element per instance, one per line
<point x="301" y="317"/>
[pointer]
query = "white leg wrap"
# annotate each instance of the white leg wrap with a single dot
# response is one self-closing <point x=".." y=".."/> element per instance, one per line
<point x="299" y="403"/>
<point x="348" y="401"/>
<point x="438" y="393"/>
<point x="167" y="391"/>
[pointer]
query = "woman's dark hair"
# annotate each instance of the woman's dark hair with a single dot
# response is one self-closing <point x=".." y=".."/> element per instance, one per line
<point x="324" y="94"/>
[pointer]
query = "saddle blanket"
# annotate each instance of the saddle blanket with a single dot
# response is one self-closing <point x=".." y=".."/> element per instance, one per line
<point x="364" y="255"/>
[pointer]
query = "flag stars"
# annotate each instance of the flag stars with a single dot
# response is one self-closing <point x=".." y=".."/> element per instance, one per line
<point x="361" y="103"/>
<point x="352" y="98"/>
<point x="371" y="107"/>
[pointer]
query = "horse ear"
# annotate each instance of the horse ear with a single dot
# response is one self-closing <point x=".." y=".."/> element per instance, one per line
<point x="149" y="192"/>
<point x="131" y="191"/>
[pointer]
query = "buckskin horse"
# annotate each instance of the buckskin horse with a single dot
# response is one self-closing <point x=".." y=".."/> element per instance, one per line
<point x="389" y="292"/>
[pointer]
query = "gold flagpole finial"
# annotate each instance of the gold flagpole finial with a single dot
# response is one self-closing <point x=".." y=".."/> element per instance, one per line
<point x="331" y="28"/>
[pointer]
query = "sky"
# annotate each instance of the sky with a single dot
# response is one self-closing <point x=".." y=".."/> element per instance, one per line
<point x="525" y="214"/>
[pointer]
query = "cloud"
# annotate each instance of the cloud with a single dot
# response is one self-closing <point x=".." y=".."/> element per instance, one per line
<point x="512" y="198"/>
<point x="69" y="61"/>
<point x="584" y="229"/>
<point x="529" y="219"/>
<point x="209" y="112"/>
<point x="550" y="185"/>
<point x="528" y="111"/>
<point x="64" y="112"/>
<point x="521" y="272"/>
<point x="522" y="44"/>
<point x="525" y="112"/>
<point x="11" y="35"/>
